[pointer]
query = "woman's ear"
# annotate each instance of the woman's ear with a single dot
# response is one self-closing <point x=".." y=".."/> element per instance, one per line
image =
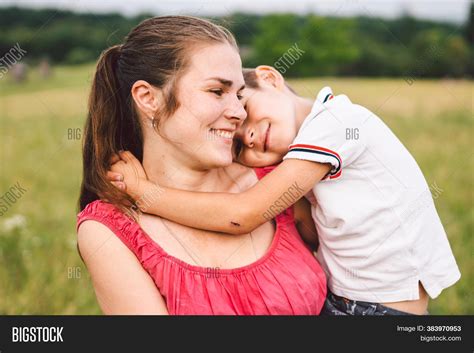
<point x="268" y="75"/>
<point x="147" y="98"/>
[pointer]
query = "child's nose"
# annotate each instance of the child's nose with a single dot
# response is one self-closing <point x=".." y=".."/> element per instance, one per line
<point x="249" y="137"/>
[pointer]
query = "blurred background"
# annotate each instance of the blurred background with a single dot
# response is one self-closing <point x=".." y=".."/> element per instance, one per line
<point x="410" y="62"/>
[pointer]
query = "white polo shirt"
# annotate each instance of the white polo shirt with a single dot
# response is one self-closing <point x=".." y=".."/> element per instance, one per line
<point x="378" y="228"/>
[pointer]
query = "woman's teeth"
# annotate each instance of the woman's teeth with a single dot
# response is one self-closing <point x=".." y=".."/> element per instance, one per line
<point x="223" y="133"/>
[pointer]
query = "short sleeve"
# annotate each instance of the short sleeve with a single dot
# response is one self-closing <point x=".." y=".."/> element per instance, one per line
<point x="331" y="134"/>
<point x="126" y="229"/>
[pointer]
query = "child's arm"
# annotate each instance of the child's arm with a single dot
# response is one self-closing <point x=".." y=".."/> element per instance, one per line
<point x="238" y="213"/>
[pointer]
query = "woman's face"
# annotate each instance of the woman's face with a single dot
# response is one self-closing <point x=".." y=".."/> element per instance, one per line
<point x="269" y="129"/>
<point x="210" y="111"/>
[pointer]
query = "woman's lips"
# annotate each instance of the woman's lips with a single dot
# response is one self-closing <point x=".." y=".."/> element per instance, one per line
<point x="223" y="135"/>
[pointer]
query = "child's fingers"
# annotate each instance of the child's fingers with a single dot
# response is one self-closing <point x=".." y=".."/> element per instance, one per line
<point x="127" y="156"/>
<point x="114" y="159"/>
<point x="113" y="176"/>
<point x="119" y="167"/>
<point x="130" y="159"/>
<point x="119" y="185"/>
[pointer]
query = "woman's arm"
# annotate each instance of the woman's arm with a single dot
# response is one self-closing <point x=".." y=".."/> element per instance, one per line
<point x="222" y="212"/>
<point x="121" y="284"/>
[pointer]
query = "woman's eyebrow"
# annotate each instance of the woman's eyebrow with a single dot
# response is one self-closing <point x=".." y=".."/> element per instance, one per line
<point x="225" y="82"/>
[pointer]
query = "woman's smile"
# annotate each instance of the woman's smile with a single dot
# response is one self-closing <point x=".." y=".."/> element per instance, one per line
<point x="222" y="134"/>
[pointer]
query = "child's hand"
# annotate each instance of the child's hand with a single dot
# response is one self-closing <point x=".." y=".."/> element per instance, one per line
<point x="127" y="174"/>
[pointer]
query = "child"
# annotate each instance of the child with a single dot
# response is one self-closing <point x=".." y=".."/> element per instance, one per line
<point x="382" y="244"/>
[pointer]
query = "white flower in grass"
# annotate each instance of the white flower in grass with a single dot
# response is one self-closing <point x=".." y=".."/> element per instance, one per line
<point x="13" y="222"/>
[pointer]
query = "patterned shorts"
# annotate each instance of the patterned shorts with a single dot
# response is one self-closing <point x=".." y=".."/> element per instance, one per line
<point x="336" y="305"/>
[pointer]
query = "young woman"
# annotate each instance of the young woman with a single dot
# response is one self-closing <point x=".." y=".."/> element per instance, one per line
<point x="171" y="95"/>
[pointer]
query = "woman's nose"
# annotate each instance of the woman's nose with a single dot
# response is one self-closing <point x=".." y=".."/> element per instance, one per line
<point x="237" y="111"/>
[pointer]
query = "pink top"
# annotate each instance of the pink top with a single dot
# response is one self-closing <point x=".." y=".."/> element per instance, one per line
<point x="287" y="280"/>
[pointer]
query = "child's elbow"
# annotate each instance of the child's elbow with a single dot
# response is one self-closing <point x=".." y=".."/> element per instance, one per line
<point x="236" y="229"/>
<point x="245" y="223"/>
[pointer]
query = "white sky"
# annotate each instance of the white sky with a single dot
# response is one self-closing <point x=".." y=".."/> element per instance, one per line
<point x="442" y="10"/>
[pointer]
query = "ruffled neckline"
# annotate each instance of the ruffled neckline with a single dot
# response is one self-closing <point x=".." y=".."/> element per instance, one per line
<point x="107" y="211"/>
<point x="130" y="228"/>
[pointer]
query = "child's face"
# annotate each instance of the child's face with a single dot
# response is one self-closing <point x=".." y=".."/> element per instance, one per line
<point x="269" y="129"/>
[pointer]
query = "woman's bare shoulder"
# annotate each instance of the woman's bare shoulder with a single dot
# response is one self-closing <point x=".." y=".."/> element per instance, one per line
<point x="92" y="236"/>
<point x="121" y="284"/>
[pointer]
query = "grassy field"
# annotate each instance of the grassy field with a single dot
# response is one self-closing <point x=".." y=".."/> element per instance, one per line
<point x="40" y="270"/>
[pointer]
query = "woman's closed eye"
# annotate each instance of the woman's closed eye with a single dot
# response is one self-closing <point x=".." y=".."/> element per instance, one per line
<point x="218" y="92"/>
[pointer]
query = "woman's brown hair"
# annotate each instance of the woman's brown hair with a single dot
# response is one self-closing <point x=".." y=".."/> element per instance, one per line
<point x="157" y="51"/>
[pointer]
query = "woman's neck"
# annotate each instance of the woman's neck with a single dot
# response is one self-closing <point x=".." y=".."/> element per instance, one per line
<point x="162" y="165"/>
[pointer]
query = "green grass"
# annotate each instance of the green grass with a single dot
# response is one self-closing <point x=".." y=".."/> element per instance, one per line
<point x="433" y="118"/>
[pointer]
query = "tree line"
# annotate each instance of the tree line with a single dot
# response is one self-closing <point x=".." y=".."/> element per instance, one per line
<point x="298" y="45"/>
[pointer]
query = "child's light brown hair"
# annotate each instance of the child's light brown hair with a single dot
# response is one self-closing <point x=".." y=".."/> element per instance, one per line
<point x="251" y="80"/>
